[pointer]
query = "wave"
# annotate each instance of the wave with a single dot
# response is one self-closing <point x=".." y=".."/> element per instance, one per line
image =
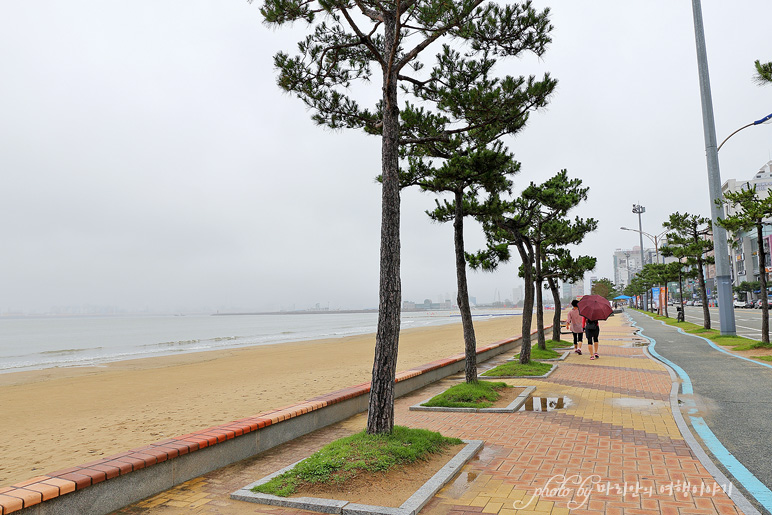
<point x="170" y="344"/>
<point x="65" y="352"/>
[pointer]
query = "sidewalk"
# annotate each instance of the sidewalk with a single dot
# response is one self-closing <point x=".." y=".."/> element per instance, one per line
<point x="616" y="442"/>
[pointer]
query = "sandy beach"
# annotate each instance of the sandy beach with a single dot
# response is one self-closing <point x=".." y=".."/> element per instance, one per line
<point x="56" y="418"/>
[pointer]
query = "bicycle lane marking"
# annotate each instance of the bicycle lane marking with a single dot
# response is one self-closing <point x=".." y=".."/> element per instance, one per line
<point x="750" y="482"/>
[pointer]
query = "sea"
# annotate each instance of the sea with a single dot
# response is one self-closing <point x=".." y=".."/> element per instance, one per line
<point x="32" y="343"/>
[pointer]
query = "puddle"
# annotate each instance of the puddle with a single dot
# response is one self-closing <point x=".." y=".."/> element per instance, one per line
<point x="545" y="403"/>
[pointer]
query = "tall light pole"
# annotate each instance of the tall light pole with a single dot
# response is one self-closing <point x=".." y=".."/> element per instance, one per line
<point x="721" y="250"/>
<point x="639" y="209"/>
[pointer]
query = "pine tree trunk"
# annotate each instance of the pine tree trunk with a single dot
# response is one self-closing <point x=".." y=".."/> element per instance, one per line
<point x="525" y="347"/>
<point x="470" y="343"/>
<point x="556" y="323"/>
<point x="703" y="294"/>
<point x="380" y="415"/>
<point x="763" y="284"/>
<point x="539" y="292"/>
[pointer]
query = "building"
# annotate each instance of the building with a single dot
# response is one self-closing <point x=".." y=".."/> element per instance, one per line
<point x="577" y="289"/>
<point x="565" y="292"/>
<point x="627" y="263"/>
<point x="518" y="294"/>
<point x="744" y="247"/>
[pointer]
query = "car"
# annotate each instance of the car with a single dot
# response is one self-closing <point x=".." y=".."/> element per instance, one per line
<point x="697" y="303"/>
<point x="739" y="303"/>
<point x="749" y="303"/>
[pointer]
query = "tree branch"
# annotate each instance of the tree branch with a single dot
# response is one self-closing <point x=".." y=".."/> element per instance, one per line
<point x="370" y="13"/>
<point x="434" y="37"/>
<point x="365" y="39"/>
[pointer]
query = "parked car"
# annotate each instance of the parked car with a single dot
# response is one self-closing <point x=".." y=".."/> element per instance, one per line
<point x="697" y="303"/>
<point x="739" y="303"/>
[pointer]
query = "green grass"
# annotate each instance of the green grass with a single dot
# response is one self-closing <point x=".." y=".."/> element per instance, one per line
<point x="741" y="343"/>
<point x="738" y="343"/>
<point x="763" y="358"/>
<point x="481" y="394"/>
<point x="514" y="368"/>
<point x="554" y="344"/>
<point x="345" y="458"/>
<point x="537" y="353"/>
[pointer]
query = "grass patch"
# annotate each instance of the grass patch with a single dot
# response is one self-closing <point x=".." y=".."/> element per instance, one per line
<point x="730" y="340"/>
<point x="555" y="344"/>
<point x="481" y="394"/>
<point x="515" y="368"/>
<point x="537" y="353"/>
<point x="745" y="345"/>
<point x="360" y="453"/>
<point x="763" y="358"/>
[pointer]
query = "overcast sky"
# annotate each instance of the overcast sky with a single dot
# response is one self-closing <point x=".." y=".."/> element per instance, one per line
<point x="148" y="158"/>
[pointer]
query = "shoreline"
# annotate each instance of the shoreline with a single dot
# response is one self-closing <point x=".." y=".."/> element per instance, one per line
<point x="198" y="341"/>
<point x="58" y="417"/>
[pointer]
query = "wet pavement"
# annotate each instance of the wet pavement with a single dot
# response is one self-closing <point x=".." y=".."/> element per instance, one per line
<point x="611" y="446"/>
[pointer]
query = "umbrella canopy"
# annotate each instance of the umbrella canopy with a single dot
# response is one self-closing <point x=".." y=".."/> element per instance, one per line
<point x="622" y="297"/>
<point x="594" y="307"/>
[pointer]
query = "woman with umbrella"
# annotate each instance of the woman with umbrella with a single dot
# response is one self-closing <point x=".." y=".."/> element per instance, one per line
<point x="594" y="308"/>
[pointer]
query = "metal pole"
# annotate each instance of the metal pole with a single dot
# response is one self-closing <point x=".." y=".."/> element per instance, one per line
<point x="640" y="209"/>
<point x="721" y="250"/>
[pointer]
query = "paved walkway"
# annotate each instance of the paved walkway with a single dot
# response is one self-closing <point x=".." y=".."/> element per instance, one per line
<point x="614" y="448"/>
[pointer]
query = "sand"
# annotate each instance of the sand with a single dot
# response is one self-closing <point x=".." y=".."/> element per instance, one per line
<point x="57" y="418"/>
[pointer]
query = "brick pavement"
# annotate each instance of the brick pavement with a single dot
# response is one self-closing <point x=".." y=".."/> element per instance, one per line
<point x="615" y="448"/>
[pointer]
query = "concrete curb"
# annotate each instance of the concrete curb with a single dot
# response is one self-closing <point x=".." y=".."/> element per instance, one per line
<point x="410" y="507"/>
<point x="496" y="378"/>
<point x="511" y="408"/>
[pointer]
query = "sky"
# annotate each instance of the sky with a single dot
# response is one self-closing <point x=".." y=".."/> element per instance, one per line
<point x="149" y="160"/>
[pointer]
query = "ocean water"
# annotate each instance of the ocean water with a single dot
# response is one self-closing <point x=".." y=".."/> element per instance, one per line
<point x="37" y="343"/>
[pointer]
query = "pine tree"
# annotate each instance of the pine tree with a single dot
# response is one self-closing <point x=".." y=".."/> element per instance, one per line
<point x="560" y="265"/>
<point x="689" y="238"/>
<point x="346" y="42"/>
<point x="522" y="222"/>
<point x="763" y="73"/>
<point x="751" y="212"/>
<point x="467" y="176"/>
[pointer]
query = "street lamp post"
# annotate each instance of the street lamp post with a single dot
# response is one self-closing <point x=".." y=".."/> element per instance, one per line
<point x="766" y="119"/>
<point x="654" y="239"/>
<point x="639" y="209"/>
<point x="721" y="250"/>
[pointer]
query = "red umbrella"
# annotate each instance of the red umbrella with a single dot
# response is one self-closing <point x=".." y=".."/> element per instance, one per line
<point x="594" y="307"/>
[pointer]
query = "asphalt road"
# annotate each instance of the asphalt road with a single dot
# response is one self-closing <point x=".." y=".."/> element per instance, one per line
<point x="732" y="395"/>
<point x="747" y="321"/>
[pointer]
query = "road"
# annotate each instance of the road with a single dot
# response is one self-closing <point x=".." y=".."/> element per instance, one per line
<point x="730" y="394"/>
<point x="748" y="321"/>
